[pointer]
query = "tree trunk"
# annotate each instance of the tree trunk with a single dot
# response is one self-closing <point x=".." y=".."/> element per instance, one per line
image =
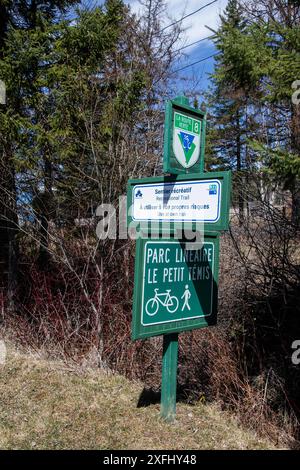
<point x="295" y="144"/>
<point x="8" y="229"/>
<point x="46" y="206"/>
<point x="239" y="170"/>
<point x="296" y="204"/>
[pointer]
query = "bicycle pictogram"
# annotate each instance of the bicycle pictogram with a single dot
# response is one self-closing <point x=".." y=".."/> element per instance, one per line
<point x="164" y="299"/>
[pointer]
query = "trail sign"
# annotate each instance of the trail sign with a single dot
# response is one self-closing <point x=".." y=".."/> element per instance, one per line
<point x="189" y="199"/>
<point x="184" y="141"/>
<point x="176" y="285"/>
<point x="175" y="280"/>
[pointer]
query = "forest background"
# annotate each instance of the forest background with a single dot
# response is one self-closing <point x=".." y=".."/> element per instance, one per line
<point x="84" y="111"/>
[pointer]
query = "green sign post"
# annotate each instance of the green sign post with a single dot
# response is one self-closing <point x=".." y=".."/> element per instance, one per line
<point x="169" y="376"/>
<point x="176" y="280"/>
<point x="175" y="290"/>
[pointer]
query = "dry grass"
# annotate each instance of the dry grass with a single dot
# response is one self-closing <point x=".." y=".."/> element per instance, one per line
<point x="48" y="405"/>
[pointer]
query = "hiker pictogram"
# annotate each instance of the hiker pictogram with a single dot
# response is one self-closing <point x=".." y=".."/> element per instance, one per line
<point x="186" y="297"/>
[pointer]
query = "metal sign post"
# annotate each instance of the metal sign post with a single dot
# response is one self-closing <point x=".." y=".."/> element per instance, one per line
<point x="175" y="280"/>
<point x="169" y="377"/>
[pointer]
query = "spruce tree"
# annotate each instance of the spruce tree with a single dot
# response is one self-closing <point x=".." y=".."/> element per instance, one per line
<point x="18" y="20"/>
<point x="229" y="100"/>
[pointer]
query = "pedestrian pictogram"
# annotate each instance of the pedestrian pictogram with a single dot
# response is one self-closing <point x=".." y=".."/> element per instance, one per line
<point x="186" y="297"/>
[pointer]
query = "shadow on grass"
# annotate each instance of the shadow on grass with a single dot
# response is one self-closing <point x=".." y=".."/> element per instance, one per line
<point x="150" y="396"/>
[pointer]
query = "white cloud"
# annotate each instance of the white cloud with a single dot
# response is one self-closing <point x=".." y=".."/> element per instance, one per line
<point x="194" y="25"/>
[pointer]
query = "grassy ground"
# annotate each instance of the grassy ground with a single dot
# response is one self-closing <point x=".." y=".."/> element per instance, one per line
<point x="46" y="405"/>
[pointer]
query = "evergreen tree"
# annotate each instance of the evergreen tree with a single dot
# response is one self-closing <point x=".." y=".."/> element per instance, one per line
<point x="256" y="67"/>
<point x="83" y="96"/>
<point x="229" y="102"/>
<point x="43" y="62"/>
<point x="281" y="51"/>
<point x="19" y="20"/>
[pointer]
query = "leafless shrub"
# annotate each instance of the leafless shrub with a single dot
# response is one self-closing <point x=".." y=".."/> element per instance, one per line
<point x="244" y="363"/>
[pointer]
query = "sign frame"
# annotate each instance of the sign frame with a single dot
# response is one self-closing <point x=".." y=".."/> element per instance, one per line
<point x="224" y="177"/>
<point x="140" y="331"/>
<point x="170" y="163"/>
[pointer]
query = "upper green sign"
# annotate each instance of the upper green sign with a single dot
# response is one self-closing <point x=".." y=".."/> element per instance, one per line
<point x="184" y="141"/>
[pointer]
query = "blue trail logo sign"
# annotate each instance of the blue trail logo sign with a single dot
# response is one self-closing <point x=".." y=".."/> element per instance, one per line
<point x="184" y="141"/>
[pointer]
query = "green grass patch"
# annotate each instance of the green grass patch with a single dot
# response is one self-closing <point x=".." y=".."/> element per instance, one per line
<point x="48" y="405"/>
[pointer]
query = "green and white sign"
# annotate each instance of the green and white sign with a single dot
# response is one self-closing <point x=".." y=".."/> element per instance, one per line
<point x="175" y="286"/>
<point x="184" y="140"/>
<point x="184" y="200"/>
<point x="198" y="201"/>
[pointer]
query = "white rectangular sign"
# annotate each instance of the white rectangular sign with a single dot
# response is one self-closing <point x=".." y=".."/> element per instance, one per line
<point x="191" y="201"/>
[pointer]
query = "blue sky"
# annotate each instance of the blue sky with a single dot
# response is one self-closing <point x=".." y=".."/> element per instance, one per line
<point x="195" y="29"/>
